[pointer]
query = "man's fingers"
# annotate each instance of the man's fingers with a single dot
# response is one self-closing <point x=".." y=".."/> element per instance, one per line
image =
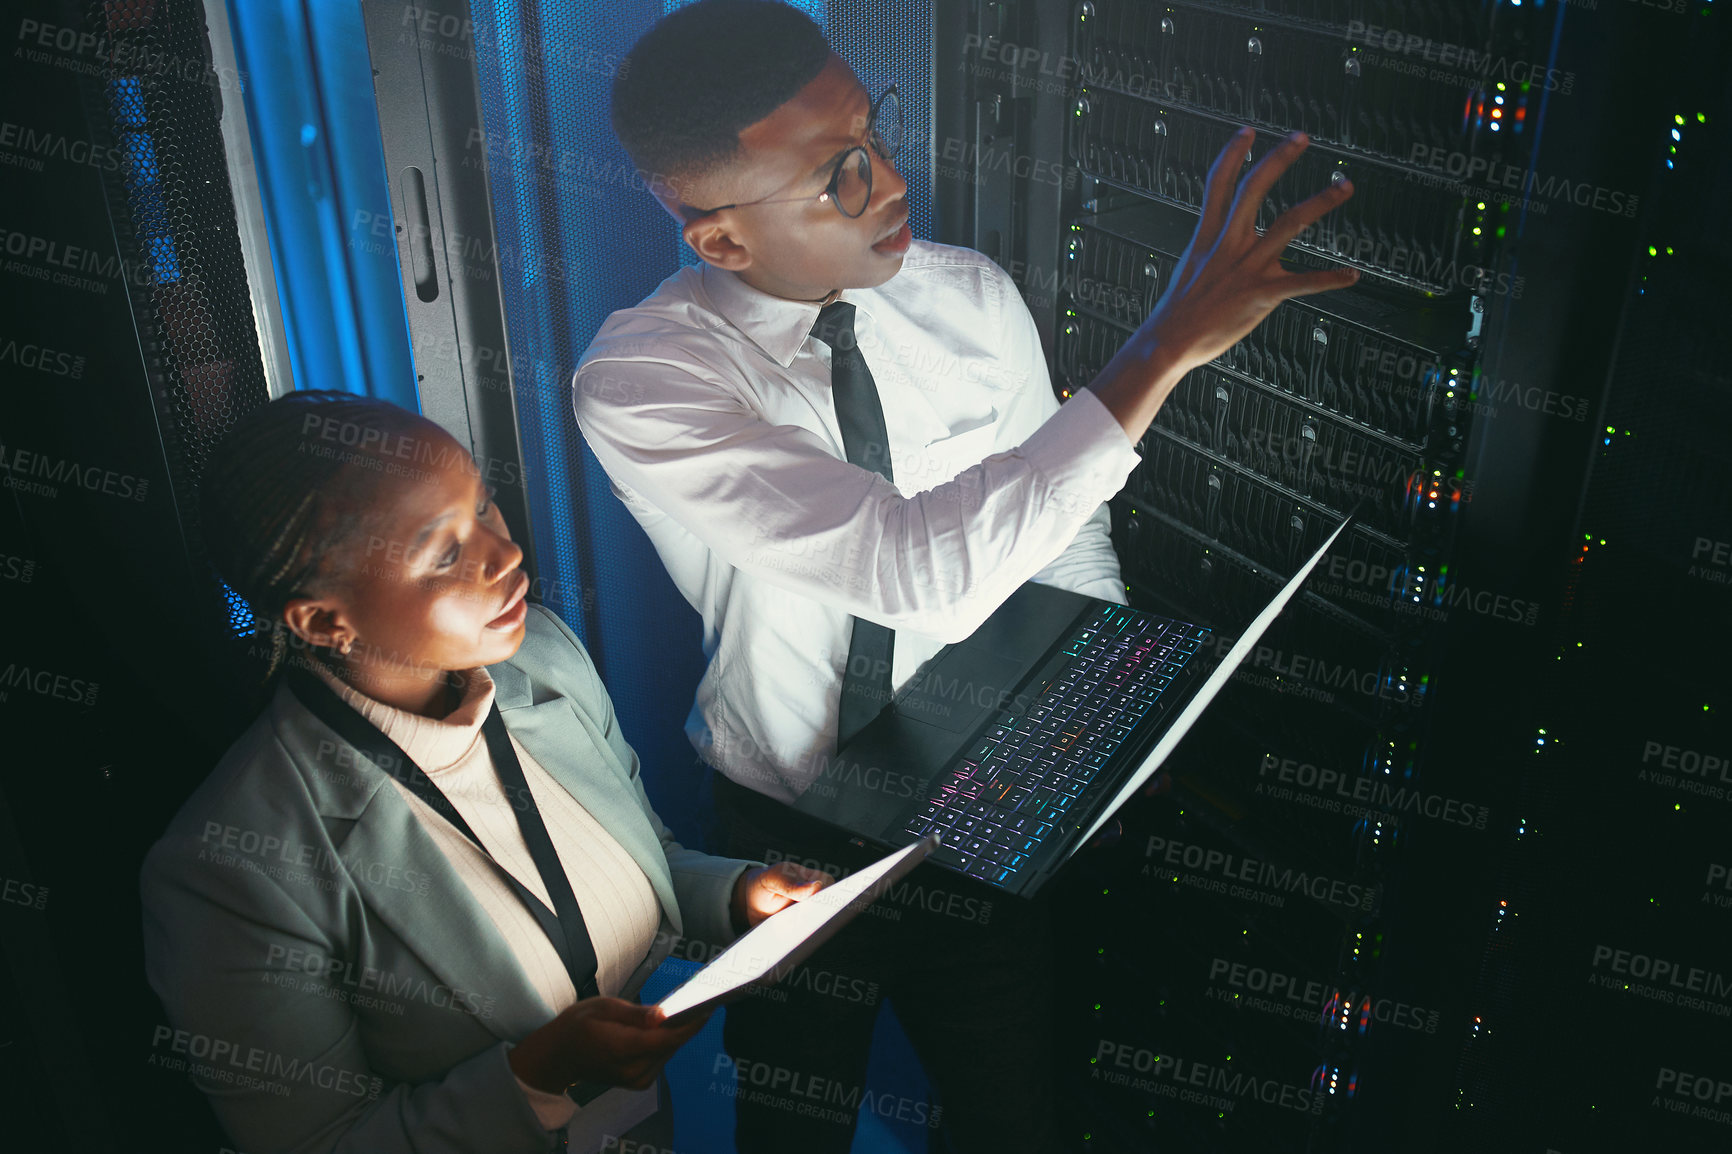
<point x="1303" y="215"/>
<point x="1254" y="189"/>
<point x="1218" y="193"/>
<point x="1306" y="283"/>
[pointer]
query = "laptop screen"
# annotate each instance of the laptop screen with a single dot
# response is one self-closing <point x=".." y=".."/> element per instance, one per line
<point x="1188" y="716"/>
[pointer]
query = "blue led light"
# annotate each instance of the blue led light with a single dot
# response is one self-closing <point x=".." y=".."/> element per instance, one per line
<point x="140" y="153"/>
<point x="240" y="613"/>
<point x="126" y="101"/>
<point x="163" y="259"/>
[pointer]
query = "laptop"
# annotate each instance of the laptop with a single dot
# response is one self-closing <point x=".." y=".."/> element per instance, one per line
<point x="1017" y="745"/>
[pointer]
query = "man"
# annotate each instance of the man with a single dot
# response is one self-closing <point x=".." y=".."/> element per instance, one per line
<point x="836" y="524"/>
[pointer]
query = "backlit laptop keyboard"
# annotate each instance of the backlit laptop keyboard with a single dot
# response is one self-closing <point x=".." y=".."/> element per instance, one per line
<point x="1028" y="768"/>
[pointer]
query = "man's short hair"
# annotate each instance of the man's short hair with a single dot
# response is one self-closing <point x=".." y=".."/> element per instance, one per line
<point x="701" y="75"/>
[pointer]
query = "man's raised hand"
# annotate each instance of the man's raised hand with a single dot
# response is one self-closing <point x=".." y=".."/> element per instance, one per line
<point x="1228" y="280"/>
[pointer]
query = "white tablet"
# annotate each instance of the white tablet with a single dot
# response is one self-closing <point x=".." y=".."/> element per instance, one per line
<point x="766" y="953"/>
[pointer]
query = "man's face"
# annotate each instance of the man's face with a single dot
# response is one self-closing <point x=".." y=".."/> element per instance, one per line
<point x="803" y="249"/>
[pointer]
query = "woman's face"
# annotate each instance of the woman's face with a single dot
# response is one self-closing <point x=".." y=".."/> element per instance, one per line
<point x="433" y="585"/>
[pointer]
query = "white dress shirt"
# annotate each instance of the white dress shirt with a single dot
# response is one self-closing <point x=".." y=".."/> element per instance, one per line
<point x="709" y="406"/>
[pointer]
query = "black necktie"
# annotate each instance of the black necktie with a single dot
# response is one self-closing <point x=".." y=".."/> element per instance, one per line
<point x="866" y="681"/>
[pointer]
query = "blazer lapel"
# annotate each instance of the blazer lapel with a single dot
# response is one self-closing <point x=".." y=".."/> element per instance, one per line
<point x="404" y="877"/>
<point x="578" y="758"/>
<point x="388" y="853"/>
<point x="441" y="922"/>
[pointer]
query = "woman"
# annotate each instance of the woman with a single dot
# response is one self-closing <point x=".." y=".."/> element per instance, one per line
<point x="371" y="925"/>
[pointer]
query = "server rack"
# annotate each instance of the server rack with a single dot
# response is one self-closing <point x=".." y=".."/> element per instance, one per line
<point x="1311" y="942"/>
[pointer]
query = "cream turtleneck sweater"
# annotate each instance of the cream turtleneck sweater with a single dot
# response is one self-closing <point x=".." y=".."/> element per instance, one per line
<point x="620" y="909"/>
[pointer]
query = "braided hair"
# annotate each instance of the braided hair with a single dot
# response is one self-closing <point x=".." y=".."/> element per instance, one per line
<point x="287" y="493"/>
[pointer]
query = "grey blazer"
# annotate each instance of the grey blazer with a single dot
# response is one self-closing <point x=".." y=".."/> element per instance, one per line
<point x="329" y="980"/>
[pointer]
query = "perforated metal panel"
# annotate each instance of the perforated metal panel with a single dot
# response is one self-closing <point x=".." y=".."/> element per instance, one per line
<point x="173" y="212"/>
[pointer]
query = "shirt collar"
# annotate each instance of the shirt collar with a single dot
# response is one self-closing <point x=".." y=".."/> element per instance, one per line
<point x="777" y="325"/>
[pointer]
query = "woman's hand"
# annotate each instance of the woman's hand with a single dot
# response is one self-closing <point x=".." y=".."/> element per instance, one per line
<point x="761" y="892"/>
<point x="606" y="1040"/>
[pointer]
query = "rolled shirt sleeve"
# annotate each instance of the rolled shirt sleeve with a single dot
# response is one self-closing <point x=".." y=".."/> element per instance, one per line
<point x="938" y="562"/>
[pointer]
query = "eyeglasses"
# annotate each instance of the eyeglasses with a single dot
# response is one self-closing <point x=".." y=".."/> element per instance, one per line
<point x="850" y="187"/>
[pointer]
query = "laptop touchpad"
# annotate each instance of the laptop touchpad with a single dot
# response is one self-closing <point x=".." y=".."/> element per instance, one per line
<point x="960" y="690"/>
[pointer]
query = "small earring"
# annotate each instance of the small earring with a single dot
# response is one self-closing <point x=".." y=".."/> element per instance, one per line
<point x="346" y="644"/>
